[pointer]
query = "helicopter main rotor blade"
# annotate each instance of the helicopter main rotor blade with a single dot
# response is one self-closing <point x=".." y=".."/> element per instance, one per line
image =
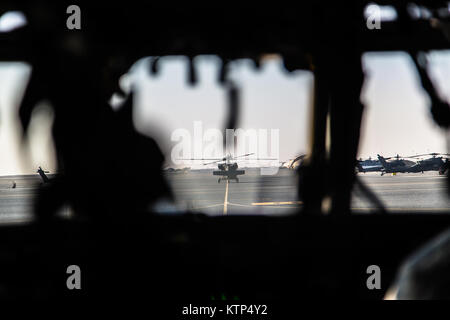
<point x="256" y="159"/>
<point x="244" y="155"/>
<point x="439" y="154"/>
<point x="212" y="162"/>
<point x="420" y="155"/>
<point x="429" y="154"/>
<point x="200" y="159"/>
<point x="249" y="154"/>
<point x="398" y="157"/>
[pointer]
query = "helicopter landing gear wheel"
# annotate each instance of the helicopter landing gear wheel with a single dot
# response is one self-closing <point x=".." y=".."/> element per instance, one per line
<point x="218" y="181"/>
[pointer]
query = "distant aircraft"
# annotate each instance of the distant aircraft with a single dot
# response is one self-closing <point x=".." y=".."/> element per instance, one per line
<point x="434" y="163"/>
<point x="406" y="166"/>
<point x="228" y="168"/>
<point x="445" y="167"/>
<point x="43" y="175"/>
<point x="297" y="161"/>
<point x="398" y="165"/>
<point x="369" y="165"/>
<point x="173" y="170"/>
<point x="292" y="163"/>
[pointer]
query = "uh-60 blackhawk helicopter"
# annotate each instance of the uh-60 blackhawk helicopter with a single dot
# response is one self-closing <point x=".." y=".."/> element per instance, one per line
<point x="43" y="175"/>
<point x="437" y="162"/>
<point x="228" y="167"/>
<point x="405" y="166"/>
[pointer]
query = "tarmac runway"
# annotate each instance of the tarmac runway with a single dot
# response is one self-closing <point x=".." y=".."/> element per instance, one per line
<point x="199" y="191"/>
<point x="16" y="204"/>
<point x="405" y="192"/>
<point x="277" y="194"/>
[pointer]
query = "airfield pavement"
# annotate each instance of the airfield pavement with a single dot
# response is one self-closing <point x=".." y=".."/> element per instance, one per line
<point x="199" y="191"/>
<point x="277" y="194"/>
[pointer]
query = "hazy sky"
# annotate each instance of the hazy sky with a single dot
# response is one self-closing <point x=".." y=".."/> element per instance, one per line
<point x="396" y="118"/>
<point x="270" y="99"/>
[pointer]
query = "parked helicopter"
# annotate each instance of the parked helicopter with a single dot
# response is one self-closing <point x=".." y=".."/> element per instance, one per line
<point x="228" y="170"/>
<point x="445" y="167"/>
<point x="408" y="166"/>
<point x="434" y="163"/>
<point x="368" y="165"/>
<point x="43" y="175"/>
<point x="228" y="167"/>
<point x="398" y="165"/>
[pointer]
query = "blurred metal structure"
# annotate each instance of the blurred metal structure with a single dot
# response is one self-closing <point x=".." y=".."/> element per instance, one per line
<point x="327" y="39"/>
<point x="78" y="70"/>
